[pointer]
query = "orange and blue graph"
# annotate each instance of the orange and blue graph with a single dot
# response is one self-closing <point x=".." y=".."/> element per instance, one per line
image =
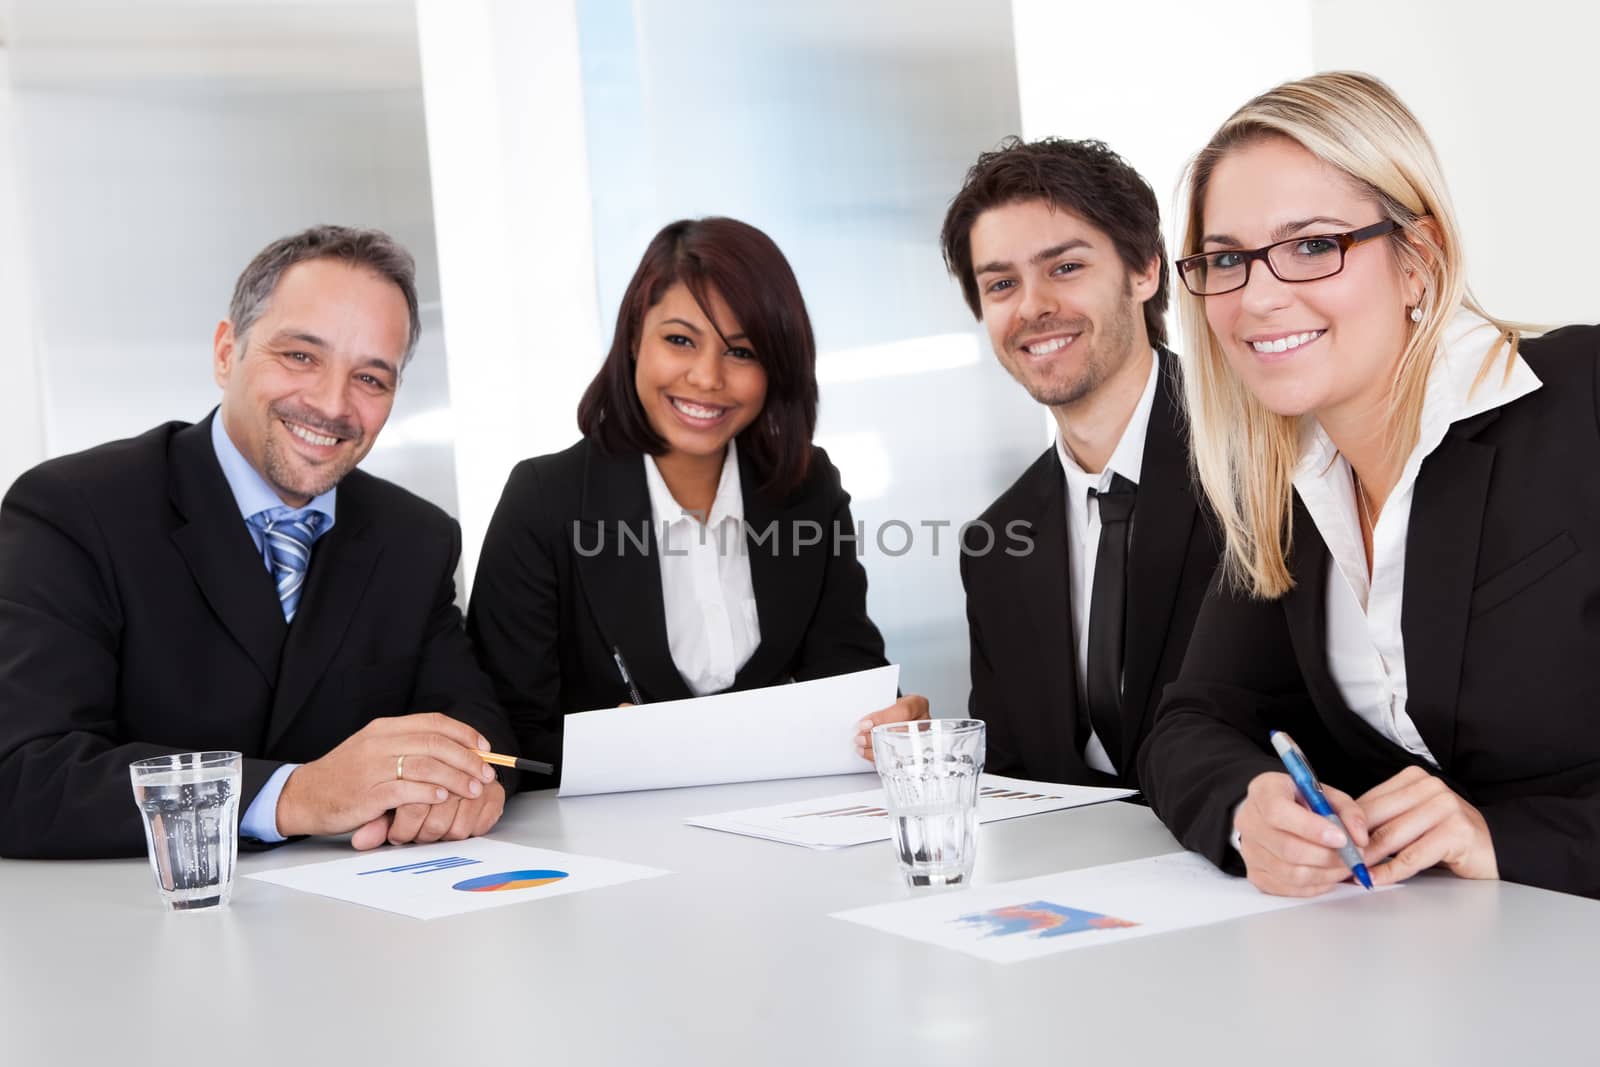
<point x="509" y="880"/>
<point x="1040" y="918"/>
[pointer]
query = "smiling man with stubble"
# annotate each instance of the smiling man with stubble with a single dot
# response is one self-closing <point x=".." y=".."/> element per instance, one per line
<point x="1057" y="247"/>
<point x="237" y="584"/>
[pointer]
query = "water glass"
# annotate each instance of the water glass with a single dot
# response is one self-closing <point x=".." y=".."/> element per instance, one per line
<point x="190" y="804"/>
<point x="930" y="781"/>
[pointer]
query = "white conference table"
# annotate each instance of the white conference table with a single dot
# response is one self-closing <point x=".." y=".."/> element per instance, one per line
<point x="733" y="959"/>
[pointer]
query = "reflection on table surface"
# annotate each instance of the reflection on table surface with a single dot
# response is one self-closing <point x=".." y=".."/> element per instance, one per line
<point x="733" y="959"/>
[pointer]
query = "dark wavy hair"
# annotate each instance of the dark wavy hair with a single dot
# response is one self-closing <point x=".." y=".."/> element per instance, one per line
<point x="1084" y="177"/>
<point x="742" y="264"/>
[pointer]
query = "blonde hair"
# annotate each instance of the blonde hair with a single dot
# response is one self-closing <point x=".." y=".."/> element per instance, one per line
<point x="1245" y="455"/>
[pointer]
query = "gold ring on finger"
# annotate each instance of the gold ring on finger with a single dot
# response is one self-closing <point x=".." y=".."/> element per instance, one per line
<point x="399" y="768"/>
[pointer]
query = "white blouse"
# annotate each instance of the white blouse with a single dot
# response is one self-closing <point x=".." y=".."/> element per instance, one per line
<point x="712" y="627"/>
<point x="1366" y="651"/>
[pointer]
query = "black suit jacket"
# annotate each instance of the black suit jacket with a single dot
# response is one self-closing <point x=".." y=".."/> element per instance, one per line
<point x="558" y="588"/>
<point x="1019" y="606"/>
<point x="137" y="619"/>
<point x="1501" y="621"/>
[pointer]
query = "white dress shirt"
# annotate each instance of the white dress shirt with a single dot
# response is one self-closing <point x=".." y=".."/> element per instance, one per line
<point x="1083" y="538"/>
<point x="1366" y="652"/>
<point x="712" y="628"/>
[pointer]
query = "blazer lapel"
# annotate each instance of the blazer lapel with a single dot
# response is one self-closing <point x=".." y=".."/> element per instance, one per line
<point x="1044" y="587"/>
<point x="342" y="565"/>
<point x="1163" y="521"/>
<point x="1306" y="611"/>
<point x="1441" y="564"/>
<point x="781" y="575"/>
<point x="217" y="547"/>
<point x="622" y="580"/>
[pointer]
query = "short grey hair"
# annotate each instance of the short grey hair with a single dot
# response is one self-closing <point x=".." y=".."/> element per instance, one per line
<point x="372" y="249"/>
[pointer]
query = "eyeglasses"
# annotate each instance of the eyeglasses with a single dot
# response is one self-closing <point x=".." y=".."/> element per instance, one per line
<point x="1299" y="259"/>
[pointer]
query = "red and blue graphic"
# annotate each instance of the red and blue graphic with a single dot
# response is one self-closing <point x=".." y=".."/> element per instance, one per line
<point x="1040" y="918"/>
<point x="509" y="880"/>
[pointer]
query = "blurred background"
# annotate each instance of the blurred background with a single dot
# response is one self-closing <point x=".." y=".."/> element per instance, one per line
<point x="526" y="152"/>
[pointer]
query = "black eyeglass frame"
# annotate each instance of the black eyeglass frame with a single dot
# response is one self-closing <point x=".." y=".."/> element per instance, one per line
<point x="1346" y="241"/>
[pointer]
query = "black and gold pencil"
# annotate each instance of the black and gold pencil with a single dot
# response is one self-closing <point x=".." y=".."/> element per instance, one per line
<point x="515" y="761"/>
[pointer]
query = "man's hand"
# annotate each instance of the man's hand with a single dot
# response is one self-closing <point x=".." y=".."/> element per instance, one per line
<point x="1289" y="850"/>
<point x="1419" y="821"/>
<point x="451" y="820"/>
<point x="386" y="765"/>
<point x="910" y="708"/>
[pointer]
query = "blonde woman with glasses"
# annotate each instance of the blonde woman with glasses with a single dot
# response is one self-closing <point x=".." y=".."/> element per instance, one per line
<point x="1410" y="493"/>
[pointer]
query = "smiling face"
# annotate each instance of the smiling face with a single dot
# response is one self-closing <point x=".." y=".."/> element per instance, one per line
<point x="1327" y="347"/>
<point x="1062" y="311"/>
<point x="305" y="395"/>
<point x="697" y="391"/>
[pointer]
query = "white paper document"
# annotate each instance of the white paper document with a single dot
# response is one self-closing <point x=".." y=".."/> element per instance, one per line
<point x="1034" y="917"/>
<point x="431" y="881"/>
<point x="801" y="730"/>
<point x="858" y="818"/>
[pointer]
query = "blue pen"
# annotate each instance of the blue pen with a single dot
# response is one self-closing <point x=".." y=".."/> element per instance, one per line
<point x="1294" y="761"/>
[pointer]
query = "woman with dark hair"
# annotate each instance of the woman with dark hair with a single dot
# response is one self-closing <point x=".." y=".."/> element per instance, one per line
<point x="694" y="532"/>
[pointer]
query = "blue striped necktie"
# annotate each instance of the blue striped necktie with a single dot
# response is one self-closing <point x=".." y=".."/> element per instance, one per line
<point x="286" y="543"/>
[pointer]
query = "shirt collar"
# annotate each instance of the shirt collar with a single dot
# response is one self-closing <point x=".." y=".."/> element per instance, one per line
<point x="728" y="503"/>
<point x="1127" y="459"/>
<point x="251" y="491"/>
<point x="1449" y="397"/>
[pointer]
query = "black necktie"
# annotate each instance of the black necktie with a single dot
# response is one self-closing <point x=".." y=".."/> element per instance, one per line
<point x="1107" y="603"/>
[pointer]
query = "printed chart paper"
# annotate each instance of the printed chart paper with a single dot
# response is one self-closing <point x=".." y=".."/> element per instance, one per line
<point x="858" y="818"/>
<point x="449" y="878"/>
<point x="1035" y="917"/>
<point x="801" y="730"/>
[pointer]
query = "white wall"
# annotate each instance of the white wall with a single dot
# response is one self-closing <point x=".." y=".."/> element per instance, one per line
<point x="1507" y="92"/>
<point x="511" y="207"/>
<point x="1509" y="96"/>
<point x="21" y="406"/>
<point x="1153" y="79"/>
<point x="157" y="151"/>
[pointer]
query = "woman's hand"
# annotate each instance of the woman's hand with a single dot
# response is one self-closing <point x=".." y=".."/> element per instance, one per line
<point x="1289" y="850"/>
<point x="909" y="708"/>
<point x="1422" y="823"/>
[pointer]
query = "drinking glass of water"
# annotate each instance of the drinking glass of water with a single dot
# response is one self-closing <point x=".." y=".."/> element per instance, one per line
<point x="190" y="804"/>
<point x="930" y="781"/>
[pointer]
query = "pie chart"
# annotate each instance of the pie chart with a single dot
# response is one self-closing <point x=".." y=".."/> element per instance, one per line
<point x="509" y="880"/>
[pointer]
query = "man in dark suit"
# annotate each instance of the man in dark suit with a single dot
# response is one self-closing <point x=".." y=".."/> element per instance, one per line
<point x="1057" y="246"/>
<point x="236" y="584"/>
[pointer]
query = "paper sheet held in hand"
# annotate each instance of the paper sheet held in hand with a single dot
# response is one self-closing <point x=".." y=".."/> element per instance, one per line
<point x="800" y="730"/>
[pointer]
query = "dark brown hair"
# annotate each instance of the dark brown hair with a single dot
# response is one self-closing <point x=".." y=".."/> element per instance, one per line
<point x="743" y="265"/>
<point x="1083" y="177"/>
